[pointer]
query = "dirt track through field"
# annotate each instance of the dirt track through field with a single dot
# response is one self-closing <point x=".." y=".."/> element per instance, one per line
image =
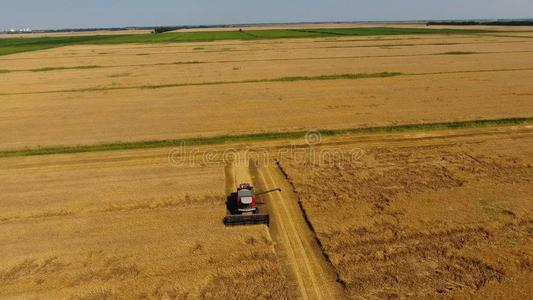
<point x="295" y="243"/>
<point x="308" y="274"/>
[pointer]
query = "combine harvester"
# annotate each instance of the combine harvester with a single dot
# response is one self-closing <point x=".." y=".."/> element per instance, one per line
<point x="242" y="207"/>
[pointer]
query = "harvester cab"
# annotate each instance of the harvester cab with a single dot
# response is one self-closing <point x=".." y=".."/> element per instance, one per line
<point x="246" y="201"/>
<point x="243" y="209"/>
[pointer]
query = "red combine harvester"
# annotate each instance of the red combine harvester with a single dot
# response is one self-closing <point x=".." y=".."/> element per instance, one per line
<point x="242" y="207"/>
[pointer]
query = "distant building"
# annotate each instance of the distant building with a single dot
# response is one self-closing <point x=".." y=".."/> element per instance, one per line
<point x="22" y="30"/>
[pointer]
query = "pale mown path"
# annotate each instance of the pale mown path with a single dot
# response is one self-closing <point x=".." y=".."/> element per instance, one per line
<point x="309" y="275"/>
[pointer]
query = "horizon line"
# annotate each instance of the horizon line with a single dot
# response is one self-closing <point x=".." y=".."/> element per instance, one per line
<point x="213" y="25"/>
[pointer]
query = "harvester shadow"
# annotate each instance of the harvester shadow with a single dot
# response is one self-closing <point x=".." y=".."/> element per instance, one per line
<point x="231" y="204"/>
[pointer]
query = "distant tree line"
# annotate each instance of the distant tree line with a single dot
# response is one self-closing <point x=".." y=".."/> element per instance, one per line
<point x="172" y="28"/>
<point x="164" y="29"/>
<point x="495" y="23"/>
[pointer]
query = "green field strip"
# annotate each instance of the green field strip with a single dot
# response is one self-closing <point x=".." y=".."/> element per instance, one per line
<point x="18" y="45"/>
<point x="223" y="139"/>
<point x="355" y="76"/>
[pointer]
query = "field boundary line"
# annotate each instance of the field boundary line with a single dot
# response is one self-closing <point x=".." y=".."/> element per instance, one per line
<point x="267" y="136"/>
<point x="350" y="76"/>
<point x="90" y="67"/>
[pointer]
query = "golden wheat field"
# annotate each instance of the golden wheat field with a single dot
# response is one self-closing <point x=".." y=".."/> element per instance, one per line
<point x="419" y="217"/>
<point x="127" y="225"/>
<point x="428" y="212"/>
<point x="100" y="93"/>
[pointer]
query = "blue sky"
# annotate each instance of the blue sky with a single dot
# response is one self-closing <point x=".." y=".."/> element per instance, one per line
<point x="49" y="14"/>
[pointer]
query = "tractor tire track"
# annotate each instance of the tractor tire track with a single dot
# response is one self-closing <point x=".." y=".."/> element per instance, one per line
<point x="309" y="274"/>
<point x="230" y="178"/>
